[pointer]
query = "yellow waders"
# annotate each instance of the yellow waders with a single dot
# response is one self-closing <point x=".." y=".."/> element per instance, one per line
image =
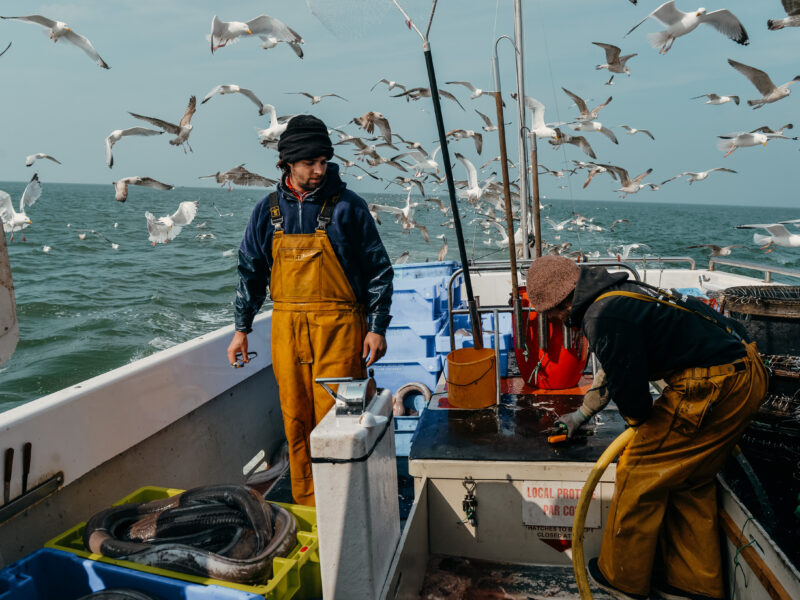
<point x="665" y="495"/>
<point x="318" y="330"/>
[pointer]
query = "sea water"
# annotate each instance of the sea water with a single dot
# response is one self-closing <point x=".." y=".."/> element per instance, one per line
<point x="85" y="308"/>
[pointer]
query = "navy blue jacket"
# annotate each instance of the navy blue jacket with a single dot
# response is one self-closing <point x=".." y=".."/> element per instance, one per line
<point x="352" y="233"/>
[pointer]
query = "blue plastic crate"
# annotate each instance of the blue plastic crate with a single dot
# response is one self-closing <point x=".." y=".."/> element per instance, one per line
<point x="395" y="373"/>
<point x="465" y="341"/>
<point x="413" y="339"/>
<point x="430" y="269"/>
<point x="425" y="285"/>
<point x="52" y="574"/>
<point x="404" y="430"/>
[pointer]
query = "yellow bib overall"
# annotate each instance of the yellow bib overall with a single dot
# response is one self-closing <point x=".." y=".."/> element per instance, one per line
<point x="665" y="496"/>
<point x="318" y="330"/>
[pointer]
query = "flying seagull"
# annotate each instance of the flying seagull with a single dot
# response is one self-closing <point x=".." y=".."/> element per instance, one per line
<point x="459" y="134"/>
<point x="778" y="235"/>
<point x="233" y="89"/>
<point x="718" y="250"/>
<point x="488" y="125"/>
<point x="792" y="19"/>
<point x="269" y="29"/>
<point x="698" y="176"/>
<point x="240" y="176"/>
<point x="770" y="92"/>
<point x="368" y="121"/>
<point x="475" y="91"/>
<point x="680" y="23"/>
<point x="631" y="186"/>
<point x="633" y="130"/>
<point x="614" y="62"/>
<point x="586" y="114"/>
<point x="29" y="160"/>
<point x="391" y="84"/>
<point x="732" y="141"/>
<point x="538" y="127"/>
<point x="717" y="99"/>
<point x="13" y="220"/>
<point x="181" y="130"/>
<point x="421" y="92"/>
<point x="118" y="134"/>
<point x="577" y="140"/>
<point x="272" y="133"/>
<point x="121" y="186"/>
<point x="59" y="29"/>
<point x="167" y="228"/>
<point x="317" y="99"/>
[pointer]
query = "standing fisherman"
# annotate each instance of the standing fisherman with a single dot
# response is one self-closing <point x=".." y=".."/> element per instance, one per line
<point x="315" y="245"/>
<point x="663" y="517"/>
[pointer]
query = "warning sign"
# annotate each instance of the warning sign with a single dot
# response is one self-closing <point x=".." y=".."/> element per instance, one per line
<point x="554" y="503"/>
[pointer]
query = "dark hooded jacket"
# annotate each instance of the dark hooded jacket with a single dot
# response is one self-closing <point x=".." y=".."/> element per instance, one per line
<point x="352" y="233"/>
<point x="638" y="341"/>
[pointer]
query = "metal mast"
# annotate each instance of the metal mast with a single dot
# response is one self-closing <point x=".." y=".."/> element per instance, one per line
<point x="523" y="155"/>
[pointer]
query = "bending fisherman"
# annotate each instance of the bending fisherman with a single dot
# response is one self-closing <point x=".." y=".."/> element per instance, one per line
<point x="664" y="509"/>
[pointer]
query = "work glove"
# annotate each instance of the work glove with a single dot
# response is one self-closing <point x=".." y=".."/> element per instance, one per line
<point x="573" y="421"/>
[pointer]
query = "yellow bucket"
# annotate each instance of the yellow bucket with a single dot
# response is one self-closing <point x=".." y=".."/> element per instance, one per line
<point x="471" y="378"/>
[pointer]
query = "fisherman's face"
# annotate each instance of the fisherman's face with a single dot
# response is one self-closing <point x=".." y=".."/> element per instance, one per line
<point x="307" y="174"/>
<point x="562" y="310"/>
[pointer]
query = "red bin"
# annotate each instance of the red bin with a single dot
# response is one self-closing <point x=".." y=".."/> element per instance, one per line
<point x="557" y="367"/>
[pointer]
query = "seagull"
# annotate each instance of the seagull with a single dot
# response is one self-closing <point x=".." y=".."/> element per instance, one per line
<point x="443" y="251"/>
<point x="778" y="235"/>
<point x="369" y="120"/>
<point x="13" y="220"/>
<point x="181" y="131"/>
<point x="718" y="250"/>
<point x="680" y="23"/>
<point x="118" y="134"/>
<point x="167" y="228"/>
<point x="275" y="129"/>
<point x="269" y="29"/>
<point x="474" y="190"/>
<point x="488" y="126"/>
<point x="558" y="226"/>
<point x="586" y="114"/>
<point x="459" y="134"/>
<point x="699" y="176"/>
<point x="240" y="176"/>
<point x="732" y="141"/>
<point x="792" y="19"/>
<point x="633" y="130"/>
<point x="391" y="84"/>
<point x="29" y="160"/>
<point x="717" y="99"/>
<point x="577" y="140"/>
<point x="626" y="249"/>
<point x="233" y="89"/>
<point x="770" y="92"/>
<point x="614" y="224"/>
<point x="121" y="186"/>
<point x="317" y="99"/>
<point x="475" y="91"/>
<point x="595" y="126"/>
<point x="630" y="186"/>
<point x="420" y="92"/>
<point x="221" y="215"/>
<point x="614" y="62"/>
<point x="58" y="29"/>
<point x="610" y="81"/>
<point x="538" y="126"/>
<point x="596" y="170"/>
<point x="402" y="259"/>
<point x="422" y="161"/>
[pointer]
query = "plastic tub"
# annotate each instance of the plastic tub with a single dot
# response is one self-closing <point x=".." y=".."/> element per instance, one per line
<point x="471" y="378"/>
<point x="296" y="576"/>
<point x="55" y="575"/>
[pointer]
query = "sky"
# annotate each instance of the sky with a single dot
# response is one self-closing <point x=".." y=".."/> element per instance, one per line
<point x="56" y="100"/>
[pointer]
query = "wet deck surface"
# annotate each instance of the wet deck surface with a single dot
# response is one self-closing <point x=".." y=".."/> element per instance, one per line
<point x="514" y="430"/>
<point x="453" y="578"/>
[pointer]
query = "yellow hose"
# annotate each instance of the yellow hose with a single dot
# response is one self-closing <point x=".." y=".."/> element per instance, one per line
<point x="578" y="563"/>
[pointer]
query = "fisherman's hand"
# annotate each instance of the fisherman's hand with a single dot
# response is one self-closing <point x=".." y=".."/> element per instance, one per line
<point x="238" y="345"/>
<point x="573" y="421"/>
<point x="374" y="347"/>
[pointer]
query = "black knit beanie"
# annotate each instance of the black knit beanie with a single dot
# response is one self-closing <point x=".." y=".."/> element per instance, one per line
<point x="305" y="137"/>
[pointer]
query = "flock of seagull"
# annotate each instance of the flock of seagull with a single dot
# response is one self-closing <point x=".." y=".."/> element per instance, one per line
<point x="418" y="166"/>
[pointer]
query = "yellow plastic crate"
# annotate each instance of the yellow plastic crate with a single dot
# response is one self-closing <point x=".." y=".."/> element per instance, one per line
<point x="295" y="577"/>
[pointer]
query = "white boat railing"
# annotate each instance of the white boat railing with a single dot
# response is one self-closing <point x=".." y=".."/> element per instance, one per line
<point x="768" y="270"/>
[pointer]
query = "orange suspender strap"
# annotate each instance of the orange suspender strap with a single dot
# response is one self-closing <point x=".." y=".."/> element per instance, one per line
<point x="673" y="303"/>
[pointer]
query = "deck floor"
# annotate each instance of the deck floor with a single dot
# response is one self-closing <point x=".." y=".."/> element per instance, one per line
<point x="455" y="578"/>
